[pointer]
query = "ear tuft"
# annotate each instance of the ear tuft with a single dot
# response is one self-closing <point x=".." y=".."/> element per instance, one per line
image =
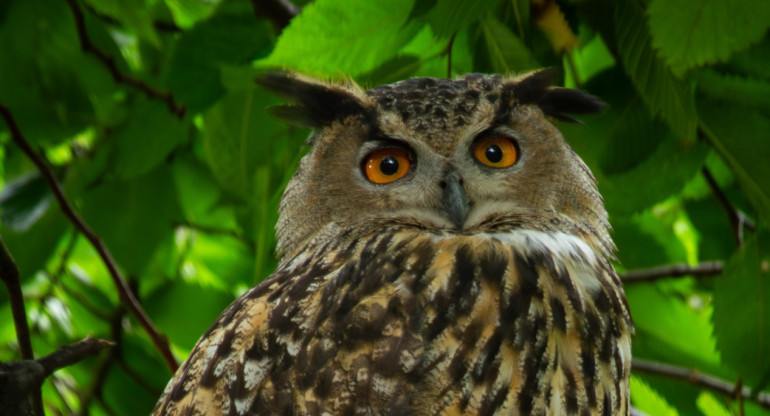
<point x="554" y="101"/>
<point x="316" y="104"/>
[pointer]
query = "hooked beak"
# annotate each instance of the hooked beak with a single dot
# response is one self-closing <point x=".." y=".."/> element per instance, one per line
<point x="455" y="202"/>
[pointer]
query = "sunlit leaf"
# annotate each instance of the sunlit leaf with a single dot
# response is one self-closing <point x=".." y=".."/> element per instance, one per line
<point x="668" y="329"/>
<point x="711" y="406"/>
<point x="343" y="37"/>
<point x="187" y="12"/>
<point x="648" y="400"/>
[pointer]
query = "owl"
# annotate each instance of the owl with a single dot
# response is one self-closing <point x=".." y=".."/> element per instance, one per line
<point x="443" y="251"/>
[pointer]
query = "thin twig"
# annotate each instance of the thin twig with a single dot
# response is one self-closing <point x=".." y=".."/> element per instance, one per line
<point x="448" y="52"/>
<point x="105" y="362"/>
<point x="279" y="12"/>
<point x="127" y="296"/>
<point x="74" y="353"/>
<point x="109" y="62"/>
<point x="699" y="379"/>
<point x="705" y="269"/>
<point x="738" y="218"/>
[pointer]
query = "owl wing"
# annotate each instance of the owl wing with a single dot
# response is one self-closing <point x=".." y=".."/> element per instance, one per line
<point x="328" y="332"/>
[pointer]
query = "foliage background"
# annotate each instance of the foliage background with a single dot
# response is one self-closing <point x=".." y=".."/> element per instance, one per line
<point x="187" y="204"/>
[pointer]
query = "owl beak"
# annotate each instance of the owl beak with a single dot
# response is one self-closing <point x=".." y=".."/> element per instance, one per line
<point x="455" y="202"/>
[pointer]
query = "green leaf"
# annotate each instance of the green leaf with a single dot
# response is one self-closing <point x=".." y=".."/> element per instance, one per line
<point x="23" y="201"/>
<point x="665" y="95"/>
<point x="220" y="262"/>
<point x="754" y="62"/>
<point x="647" y="239"/>
<point x="740" y="89"/>
<point x="133" y="217"/>
<point x="636" y="160"/>
<point x="132" y="14"/>
<point x="237" y="137"/>
<point x="184" y="311"/>
<point x="500" y="50"/>
<point x="124" y="395"/>
<point x="648" y="400"/>
<point x="194" y="73"/>
<point x="187" y="12"/>
<point x="396" y="69"/>
<point x="50" y="92"/>
<point x="199" y="194"/>
<point x="347" y="37"/>
<point x="742" y="309"/>
<point x="668" y="329"/>
<point x="32" y="248"/>
<point x="661" y="175"/>
<point x="146" y="139"/>
<point x="449" y="16"/>
<point x="692" y="33"/>
<point x="711" y="406"/>
<point x="740" y="135"/>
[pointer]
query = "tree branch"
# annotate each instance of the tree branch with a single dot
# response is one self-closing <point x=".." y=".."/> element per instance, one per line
<point x="127" y="296"/>
<point x="72" y="354"/>
<point x="109" y="62"/>
<point x="279" y="12"/>
<point x="9" y="273"/>
<point x="705" y="269"/>
<point x="694" y="377"/>
<point x="738" y="218"/>
<point x="20" y="381"/>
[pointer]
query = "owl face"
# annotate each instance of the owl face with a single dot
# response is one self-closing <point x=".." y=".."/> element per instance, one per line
<point x="473" y="155"/>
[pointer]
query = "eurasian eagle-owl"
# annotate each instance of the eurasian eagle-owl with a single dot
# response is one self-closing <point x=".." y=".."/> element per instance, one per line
<point x="443" y="252"/>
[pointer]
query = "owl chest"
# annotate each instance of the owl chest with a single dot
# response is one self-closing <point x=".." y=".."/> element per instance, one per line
<point x="458" y="328"/>
<point x="478" y="331"/>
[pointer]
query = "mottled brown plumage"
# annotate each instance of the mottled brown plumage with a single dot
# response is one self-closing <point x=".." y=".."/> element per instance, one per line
<point x="458" y="288"/>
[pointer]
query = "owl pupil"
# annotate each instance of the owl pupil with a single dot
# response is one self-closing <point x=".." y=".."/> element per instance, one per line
<point x="494" y="154"/>
<point x="389" y="165"/>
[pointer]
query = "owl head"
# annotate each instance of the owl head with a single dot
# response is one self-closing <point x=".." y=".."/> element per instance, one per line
<point x="475" y="155"/>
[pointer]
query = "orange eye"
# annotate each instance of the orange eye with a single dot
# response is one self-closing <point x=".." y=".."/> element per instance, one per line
<point x="497" y="152"/>
<point x="386" y="165"/>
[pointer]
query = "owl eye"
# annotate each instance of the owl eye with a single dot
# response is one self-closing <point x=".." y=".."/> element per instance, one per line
<point x="386" y="165"/>
<point x="496" y="152"/>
